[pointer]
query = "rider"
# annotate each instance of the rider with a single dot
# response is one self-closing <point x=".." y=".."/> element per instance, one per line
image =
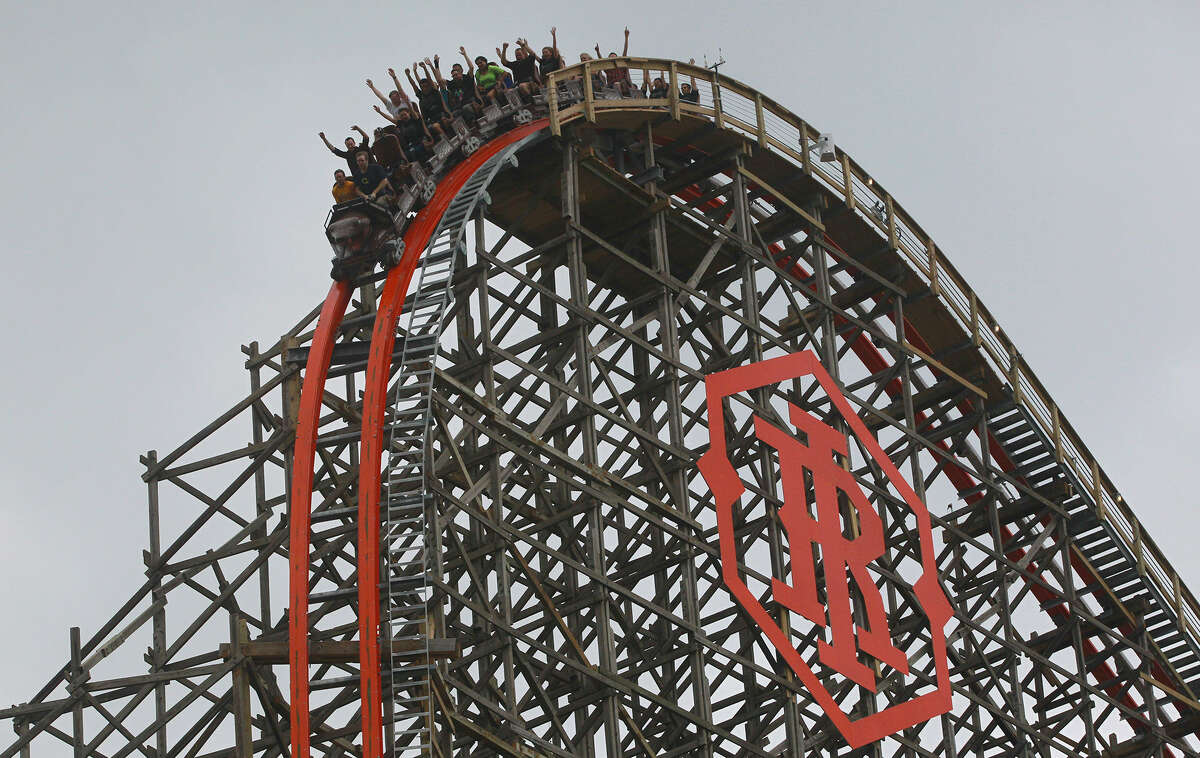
<point x="352" y="148"/>
<point x="371" y="179"/>
<point x="344" y="189"/>
<point x="412" y="132"/>
<point x="524" y="68"/>
<point x="489" y="78"/>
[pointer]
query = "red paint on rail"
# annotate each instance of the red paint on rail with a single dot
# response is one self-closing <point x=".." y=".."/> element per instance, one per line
<point x="304" y="452"/>
<point x="379" y="364"/>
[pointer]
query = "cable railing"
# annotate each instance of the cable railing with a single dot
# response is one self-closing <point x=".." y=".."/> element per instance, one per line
<point x="574" y="93"/>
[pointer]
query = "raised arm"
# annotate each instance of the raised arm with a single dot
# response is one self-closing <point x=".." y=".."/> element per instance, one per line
<point x="598" y="54"/>
<point x="332" y="149"/>
<point x="554" y="42"/>
<point x="378" y="94"/>
<point x="412" y="82"/>
<point x="399" y="89"/>
<point x="692" y="61"/>
<point x="524" y="43"/>
<point x="366" y="140"/>
<point x="437" y="71"/>
<point x="502" y="54"/>
<point x="386" y="115"/>
<point x="625" y="50"/>
<point x="467" y="58"/>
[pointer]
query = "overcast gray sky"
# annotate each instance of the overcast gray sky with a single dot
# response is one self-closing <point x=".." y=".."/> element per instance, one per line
<point x="166" y="191"/>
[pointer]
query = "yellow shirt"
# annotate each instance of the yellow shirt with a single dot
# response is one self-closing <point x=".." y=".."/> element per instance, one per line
<point x="344" y="191"/>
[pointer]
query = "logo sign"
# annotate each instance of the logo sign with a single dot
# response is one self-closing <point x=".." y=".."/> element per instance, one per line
<point x="819" y="495"/>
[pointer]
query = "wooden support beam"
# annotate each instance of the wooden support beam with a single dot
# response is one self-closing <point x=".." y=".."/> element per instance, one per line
<point x="274" y="652"/>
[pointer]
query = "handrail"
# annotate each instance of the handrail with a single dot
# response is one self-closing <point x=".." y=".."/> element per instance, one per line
<point x="735" y="107"/>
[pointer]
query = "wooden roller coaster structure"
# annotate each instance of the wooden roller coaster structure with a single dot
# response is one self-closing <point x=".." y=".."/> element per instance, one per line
<point x="495" y="535"/>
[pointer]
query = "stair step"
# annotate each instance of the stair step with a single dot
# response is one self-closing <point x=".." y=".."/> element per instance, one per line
<point x="414" y="668"/>
<point x="1018" y="443"/>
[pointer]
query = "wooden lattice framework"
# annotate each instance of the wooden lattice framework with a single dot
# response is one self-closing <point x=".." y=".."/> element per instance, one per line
<point x="579" y="607"/>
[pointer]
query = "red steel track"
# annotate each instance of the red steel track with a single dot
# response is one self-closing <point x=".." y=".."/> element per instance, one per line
<point x="371" y="449"/>
<point x="301" y="506"/>
<point x="379" y="365"/>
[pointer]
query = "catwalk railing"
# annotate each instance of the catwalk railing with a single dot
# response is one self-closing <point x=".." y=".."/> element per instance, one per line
<point x="733" y="106"/>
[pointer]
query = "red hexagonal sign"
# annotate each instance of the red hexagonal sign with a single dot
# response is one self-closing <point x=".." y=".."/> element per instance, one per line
<point x="812" y="470"/>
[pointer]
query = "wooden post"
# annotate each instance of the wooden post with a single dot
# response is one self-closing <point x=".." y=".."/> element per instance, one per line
<point x="1137" y="548"/>
<point x="673" y="92"/>
<point x="1056" y="424"/>
<point x="589" y="107"/>
<point x="760" y="119"/>
<point x="1014" y="372"/>
<point x="805" y="161"/>
<point x="893" y="238"/>
<point x="1178" y="602"/>
<point x="291" y="388"/>
<point x="22" y="727"/>
<point x="1097" y="491"/>
<point x="260" y="488"/>
<point x="718" y="116"/>
<point x="76" y="690"/>
<point x="934" y="284"/>
<point x="158" y="639"/>
<point x="243" y="739"/>
<point x="552" y="104"/>
<point x="975" y="341"/>
<point x="847" y="181"/>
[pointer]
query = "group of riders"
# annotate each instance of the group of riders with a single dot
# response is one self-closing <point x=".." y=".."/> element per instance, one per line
<point x="377" y="170"/>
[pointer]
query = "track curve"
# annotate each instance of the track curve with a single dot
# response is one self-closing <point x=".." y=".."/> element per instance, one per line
<point x="416" y="238"/>
<point x="307" y="420"/>
<point x="379" y="363"/>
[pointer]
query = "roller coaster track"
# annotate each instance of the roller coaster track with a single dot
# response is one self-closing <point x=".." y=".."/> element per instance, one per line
<point x="1073" y="631"/>
<point x="1028" y="438"/>
<point x="427" y="226"/>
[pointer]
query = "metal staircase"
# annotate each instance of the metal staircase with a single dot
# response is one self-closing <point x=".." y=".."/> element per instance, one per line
<point x="1117" y="572"/>
<point x="408" y="508"/>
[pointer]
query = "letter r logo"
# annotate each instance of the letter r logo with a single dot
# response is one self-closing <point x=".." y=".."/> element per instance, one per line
<point x="834" y="535"/>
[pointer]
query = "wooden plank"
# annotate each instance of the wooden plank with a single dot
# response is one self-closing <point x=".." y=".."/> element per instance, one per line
<point x="782" y="198"/>
<point x="275" y="652"/>
<point x="945" y="370"/>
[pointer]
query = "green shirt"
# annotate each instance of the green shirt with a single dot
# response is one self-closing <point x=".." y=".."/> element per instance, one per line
<point x="487" y="78"/>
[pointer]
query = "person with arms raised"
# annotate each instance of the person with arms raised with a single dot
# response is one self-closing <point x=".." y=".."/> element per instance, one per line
<point x="462" y="98"/>
<point x="489" y="78"/>
<point x="352" y="148"/>
<point x="523" y="67"/>
<point x="411" y="130"/>
<point x="618" y="76"/>
<point x="396" y="99"/>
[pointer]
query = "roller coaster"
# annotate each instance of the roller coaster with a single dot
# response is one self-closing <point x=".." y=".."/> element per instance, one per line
<point x="661" y="429"/>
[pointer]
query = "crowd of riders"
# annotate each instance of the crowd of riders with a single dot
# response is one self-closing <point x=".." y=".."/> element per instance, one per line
<point x="379" y="165"/>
